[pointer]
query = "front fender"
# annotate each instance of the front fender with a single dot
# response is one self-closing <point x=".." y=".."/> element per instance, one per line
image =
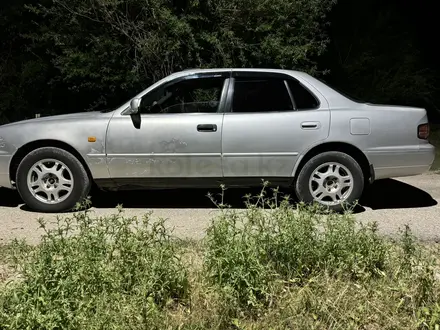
<point x="75" y="133"/>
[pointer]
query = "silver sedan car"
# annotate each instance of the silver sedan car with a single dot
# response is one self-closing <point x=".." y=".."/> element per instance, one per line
<point x="201" y="128"/>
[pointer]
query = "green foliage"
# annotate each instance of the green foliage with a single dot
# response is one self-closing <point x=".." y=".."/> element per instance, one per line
<point x="379" y="54"/>
<point x="23" y="75"/>
<point x="61" y="56"/>
<point x="274" y="240"/>
<point x="110" y="272"/>
<point x="429" y="317"/>
<point x="271" y="266"/>
<point x="86" y="55"/>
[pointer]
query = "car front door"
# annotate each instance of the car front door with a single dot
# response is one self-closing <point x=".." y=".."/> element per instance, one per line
<point x="271" y="118"/>
<point x="179" y="135"/>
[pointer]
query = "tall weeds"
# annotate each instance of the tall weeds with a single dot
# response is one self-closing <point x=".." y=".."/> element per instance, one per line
<point x="273" y="240"/>
<point x="273" y="265"/>
<point x="95" y="272"/>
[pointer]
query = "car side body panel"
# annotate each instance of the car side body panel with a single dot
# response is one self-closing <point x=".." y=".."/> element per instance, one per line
<point x="4" y="170"/>
<point x="268" y="144"/>
<point x="387" y="135"/>
<point x="390" y="143"/>
<point x="166" y="146"/>
<point x="73" y="129"/>
<point x="252" y="146"/>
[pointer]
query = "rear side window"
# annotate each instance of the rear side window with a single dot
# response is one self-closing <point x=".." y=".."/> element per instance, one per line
<point x="260" y="95"/>
<point x="304" y="100"/>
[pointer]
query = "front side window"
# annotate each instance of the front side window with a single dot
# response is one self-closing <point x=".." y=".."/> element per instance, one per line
<point x="260" y="95"/>
<point x="199" y="95"/>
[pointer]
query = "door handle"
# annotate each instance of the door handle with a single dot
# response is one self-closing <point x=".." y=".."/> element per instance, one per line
<point x="310" y="125"/>
<point x="207" y="128"/>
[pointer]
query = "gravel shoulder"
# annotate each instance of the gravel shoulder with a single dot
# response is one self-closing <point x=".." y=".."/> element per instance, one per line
<point x="392" y="203"/>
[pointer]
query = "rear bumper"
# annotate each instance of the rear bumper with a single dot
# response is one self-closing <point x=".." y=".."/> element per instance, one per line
<point x="402" y="163"/>
<point x="395" y="172"/>
<point x="5" y="180"/>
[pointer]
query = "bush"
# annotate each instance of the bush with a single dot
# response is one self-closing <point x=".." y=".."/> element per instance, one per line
<point x="108" y="272"/>
<point x="272" y="240"/>
<point x="273" y="265"/>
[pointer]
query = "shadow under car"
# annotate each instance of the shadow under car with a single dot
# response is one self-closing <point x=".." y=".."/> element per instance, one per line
<point x="382" y="194"/>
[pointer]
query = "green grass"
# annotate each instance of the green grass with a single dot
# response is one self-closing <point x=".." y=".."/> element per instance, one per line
<point x="435" y="140"/>
<point x="271" y="266"/>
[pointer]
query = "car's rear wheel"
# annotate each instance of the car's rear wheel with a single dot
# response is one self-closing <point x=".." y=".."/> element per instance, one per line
<point x="332" y="179"/>
<point x="52" y="180"/>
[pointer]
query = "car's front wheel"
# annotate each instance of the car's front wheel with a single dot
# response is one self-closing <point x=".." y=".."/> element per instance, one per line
<point x="52" y="180"/>
<point x="332" y="179"/>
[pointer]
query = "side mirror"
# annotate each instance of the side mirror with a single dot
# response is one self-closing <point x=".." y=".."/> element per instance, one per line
<point x="134" y="106"/>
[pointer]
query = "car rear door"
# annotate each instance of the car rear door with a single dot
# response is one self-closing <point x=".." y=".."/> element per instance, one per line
<point x="179" y="134"/>
<point x="271" y="118"/>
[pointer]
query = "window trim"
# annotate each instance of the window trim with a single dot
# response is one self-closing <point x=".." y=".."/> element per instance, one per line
<point x="292" y="99"/>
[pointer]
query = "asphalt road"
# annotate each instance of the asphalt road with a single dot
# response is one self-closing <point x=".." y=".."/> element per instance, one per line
<point x="392" y="203"/>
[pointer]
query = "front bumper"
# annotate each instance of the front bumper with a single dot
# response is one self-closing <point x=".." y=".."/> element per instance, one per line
<point x="5" y="180"/>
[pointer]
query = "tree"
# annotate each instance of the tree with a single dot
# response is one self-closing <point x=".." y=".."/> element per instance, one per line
<point x="380" y="52"/>
<point x="22" y="74"/>
<point x="104" y="51"/>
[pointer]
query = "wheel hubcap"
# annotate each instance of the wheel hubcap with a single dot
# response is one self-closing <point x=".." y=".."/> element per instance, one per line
<point x="50" y="181"/>
<point x="331" y="183"/>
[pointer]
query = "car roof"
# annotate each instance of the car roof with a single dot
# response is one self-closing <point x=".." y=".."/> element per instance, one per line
<point x="198" y="70"/>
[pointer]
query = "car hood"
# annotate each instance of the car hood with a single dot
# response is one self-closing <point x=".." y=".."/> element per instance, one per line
<point x="68" y="117"/>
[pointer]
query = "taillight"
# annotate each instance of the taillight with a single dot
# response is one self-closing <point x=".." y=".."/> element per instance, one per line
<point x="423" y="131"/>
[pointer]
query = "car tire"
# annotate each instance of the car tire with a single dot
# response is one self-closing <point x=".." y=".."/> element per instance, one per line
<point x="52" y="180"/>
<point x="332" y="179"/>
